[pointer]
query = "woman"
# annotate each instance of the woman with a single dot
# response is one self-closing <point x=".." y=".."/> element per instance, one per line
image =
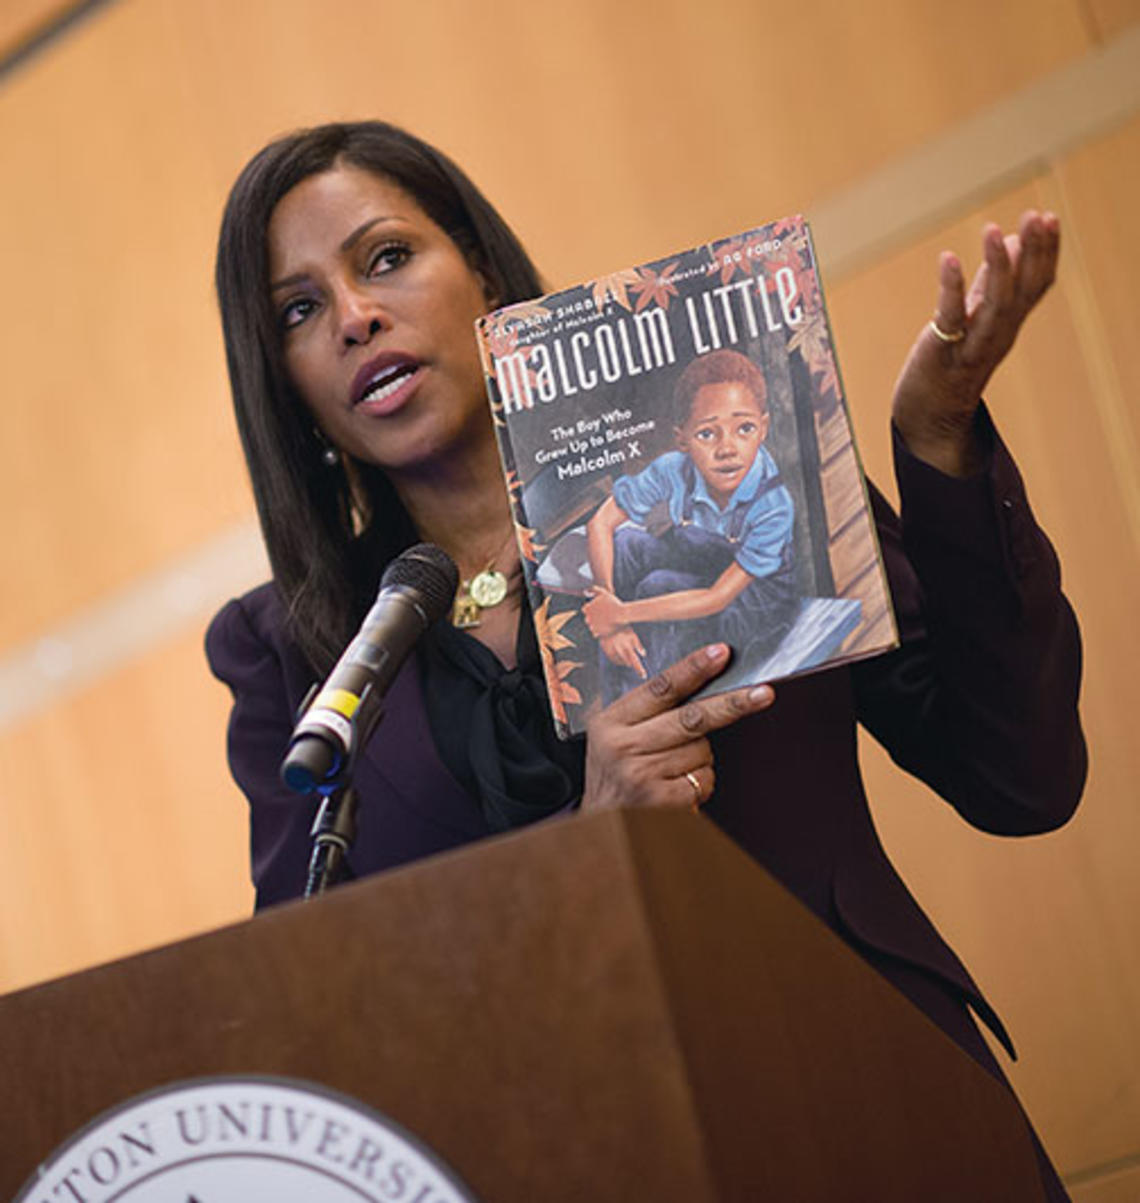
<point x="353" y="260"/>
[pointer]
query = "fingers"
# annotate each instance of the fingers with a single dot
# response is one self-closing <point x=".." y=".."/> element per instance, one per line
<point x="1039" y="236"/>
<point x="675" y="732"/>
<point x="950" y="312"/>
<point x="972" y="330"/>
<point x="679" y="776"/>
<point x="700" y="783"/>
<point x="602" y="612"/>
<point x="620" y="653"/>
<point x="1016" y="271"/>
<point x="996" y="282"/>
<point x="651" y="747"/>
<point x="977" y="291"/>
<point x="671" y="687"/>
<point x="614" y="652"/>
<point x="699" y="717"/>
<point x="1020" y="267"/>
<point x="625" y="648"/>
<point x="637" y="656"/>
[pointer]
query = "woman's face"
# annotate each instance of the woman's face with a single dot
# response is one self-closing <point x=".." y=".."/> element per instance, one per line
<point x="375" y="306"/>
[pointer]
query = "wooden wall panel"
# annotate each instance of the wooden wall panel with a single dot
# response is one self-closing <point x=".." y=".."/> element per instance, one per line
<point x="1117" y="1186"/>
<point x="1040" y="921"/>
<point x="1111" y="17"/>
<point x="653" y="125"/>
<point x="649" y="125"/>
<point x="119" y="448"/>
<point x="608" y="134"/>
<point x="1100" y="190"/>
<point x="23" y="19"/>
<point x="122" y="828"/>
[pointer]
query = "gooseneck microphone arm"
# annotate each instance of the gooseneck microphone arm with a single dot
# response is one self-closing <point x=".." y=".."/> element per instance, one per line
<point x="334" y="831"/>
<point x="337" y="719"/>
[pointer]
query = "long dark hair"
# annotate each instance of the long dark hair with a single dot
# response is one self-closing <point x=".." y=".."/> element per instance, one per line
<point x="329" y="537"/>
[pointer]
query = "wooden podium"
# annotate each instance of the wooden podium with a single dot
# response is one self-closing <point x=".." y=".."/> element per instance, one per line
<point x="620" y="1007"/>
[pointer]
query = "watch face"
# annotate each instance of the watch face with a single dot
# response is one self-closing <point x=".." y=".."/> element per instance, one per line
<point x="489" y="588"/>
<point x="233" y="1140"/>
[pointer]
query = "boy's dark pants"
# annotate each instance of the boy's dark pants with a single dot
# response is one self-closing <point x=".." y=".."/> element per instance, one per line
<point x="686" y="557"/>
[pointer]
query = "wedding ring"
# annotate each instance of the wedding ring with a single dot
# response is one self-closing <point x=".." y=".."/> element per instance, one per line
<point x="691" y="778"/>
<point x="942" y="335"/>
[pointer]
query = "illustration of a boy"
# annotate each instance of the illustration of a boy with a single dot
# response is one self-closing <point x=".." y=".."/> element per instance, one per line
<point x="722" y="571"/>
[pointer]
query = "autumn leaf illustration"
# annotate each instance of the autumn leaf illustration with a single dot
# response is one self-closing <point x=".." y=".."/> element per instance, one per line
<point x="787" y="256"/>
<point x="530" y="309"/>
<point x="492" y="387"/>
<point x="500" y="336"/>
<point x="788" y="225"/>
<point x="506" y="323"/>
<point x="514" y="486"/>
<point x="567" y="692"/>
<point x="548" y="629"/>
<point x="795" y="258"/>
<point x="814" y="347"/>
<point x="614" y="285"/>
<point x="655" y="287"/>
<point x="529" y="545"/>
<point x="730" y="258"/>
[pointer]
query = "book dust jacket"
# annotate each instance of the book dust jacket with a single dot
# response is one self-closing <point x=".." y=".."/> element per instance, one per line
<point x="681" y="469"/>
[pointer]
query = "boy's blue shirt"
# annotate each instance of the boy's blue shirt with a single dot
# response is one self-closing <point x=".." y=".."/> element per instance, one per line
<point x="758" y="518"/>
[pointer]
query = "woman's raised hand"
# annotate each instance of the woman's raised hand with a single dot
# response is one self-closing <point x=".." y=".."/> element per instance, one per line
<point x="650" y="747"/>
<point x="941" y="383"/>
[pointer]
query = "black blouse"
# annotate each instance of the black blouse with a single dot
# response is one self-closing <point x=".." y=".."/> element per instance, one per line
<point x="492" y="726"/>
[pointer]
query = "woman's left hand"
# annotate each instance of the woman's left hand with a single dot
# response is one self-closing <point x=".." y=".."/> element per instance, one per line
<point x="941" y="383"/>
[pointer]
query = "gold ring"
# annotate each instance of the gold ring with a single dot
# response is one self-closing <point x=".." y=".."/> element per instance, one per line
<point x="941" y="334"/>
<point x="691" y="778"/>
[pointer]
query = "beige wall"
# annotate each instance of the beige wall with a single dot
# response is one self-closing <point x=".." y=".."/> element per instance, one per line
<point x="608" y="133"/>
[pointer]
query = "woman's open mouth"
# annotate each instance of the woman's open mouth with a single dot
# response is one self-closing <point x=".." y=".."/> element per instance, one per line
<point x="384" y="384"/>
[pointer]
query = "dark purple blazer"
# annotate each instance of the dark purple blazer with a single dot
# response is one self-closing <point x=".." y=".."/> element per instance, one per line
<point x="980" y="702"/>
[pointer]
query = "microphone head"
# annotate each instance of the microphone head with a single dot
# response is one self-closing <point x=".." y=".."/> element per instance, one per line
<point x="431" y="572"/>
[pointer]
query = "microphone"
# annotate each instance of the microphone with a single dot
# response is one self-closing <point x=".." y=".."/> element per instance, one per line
<point x="417" y="588"/>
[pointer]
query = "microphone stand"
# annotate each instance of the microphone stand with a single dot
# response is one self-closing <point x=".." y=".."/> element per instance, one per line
<point x="417" y="589"/>
<point x="334" y="830"/>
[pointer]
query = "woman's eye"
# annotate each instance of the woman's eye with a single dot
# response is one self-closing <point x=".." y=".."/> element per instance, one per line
<point x="295" y="312"/>
<point x="388" y="257"/>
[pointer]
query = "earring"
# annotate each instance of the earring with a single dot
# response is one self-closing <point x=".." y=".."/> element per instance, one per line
<point x="330" y="457"/>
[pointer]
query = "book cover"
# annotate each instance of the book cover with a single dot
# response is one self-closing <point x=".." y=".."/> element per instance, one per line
<point x="681" y="468"/>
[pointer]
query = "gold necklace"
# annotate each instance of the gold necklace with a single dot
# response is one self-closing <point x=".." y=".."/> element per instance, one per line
<point x="485" y="589"/>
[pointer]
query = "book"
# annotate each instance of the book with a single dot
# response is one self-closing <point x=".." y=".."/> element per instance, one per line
<point x="682" y="470"/>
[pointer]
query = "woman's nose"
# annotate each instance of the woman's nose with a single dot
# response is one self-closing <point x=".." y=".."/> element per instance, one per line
<point x="359" y="317"/>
